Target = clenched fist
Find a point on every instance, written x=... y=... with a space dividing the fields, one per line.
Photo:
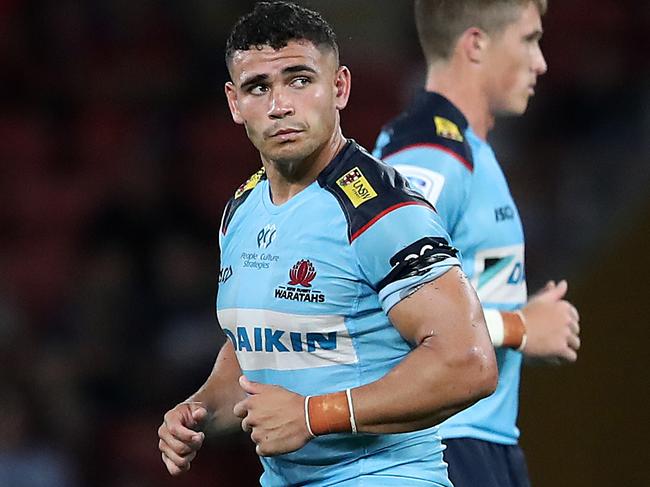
x=274 y=417
x=181 y=436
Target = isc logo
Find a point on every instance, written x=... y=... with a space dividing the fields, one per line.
x=504 y=213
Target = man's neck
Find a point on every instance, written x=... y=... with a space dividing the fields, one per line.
x=288 y=178
x=464 y=90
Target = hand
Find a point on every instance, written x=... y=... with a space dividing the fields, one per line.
x=552 y=325
x=180 y=438
x=274 y=416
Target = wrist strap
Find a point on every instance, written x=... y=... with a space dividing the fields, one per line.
x=514 y=330
x=524 y=338
x=330 y=413
x=353 y=420
x=309 y=430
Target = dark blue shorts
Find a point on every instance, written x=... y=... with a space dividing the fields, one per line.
x=476 y=463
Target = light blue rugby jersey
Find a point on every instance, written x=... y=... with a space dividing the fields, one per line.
x=304 y=292
x=433 y=146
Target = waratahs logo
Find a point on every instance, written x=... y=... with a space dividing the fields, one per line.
x=302 y=273
x=299 y=287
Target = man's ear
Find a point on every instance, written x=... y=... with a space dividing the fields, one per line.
x=342 y=84
x=473 y=44
x=231 y=95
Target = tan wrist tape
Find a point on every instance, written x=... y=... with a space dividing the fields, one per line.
x=330 y=413
x=514 y=329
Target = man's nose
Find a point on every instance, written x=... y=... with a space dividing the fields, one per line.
x=281 y=105
x=540 y=67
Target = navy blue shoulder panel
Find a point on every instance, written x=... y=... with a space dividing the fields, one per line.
x=240 y=196
x=433 y=121
x=366 y=188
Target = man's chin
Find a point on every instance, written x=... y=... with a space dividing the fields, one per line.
x=515 y=110
x=288 y=157
x=289 y=151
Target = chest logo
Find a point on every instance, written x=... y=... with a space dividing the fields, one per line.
x=302 y=273
x=266 y=236
x=356 y=187
x=447 y=129
x=299 y=287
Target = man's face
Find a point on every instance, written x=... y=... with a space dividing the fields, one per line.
x=514 y=61
x=288 y=99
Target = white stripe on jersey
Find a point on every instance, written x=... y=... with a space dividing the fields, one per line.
x=265 y=339
x=499 y=275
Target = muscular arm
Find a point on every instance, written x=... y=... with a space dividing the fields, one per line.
x=451 y=366
x=220 y=392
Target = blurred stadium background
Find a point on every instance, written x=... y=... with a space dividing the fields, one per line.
x=117 y=155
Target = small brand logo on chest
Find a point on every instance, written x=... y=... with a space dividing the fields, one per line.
x=225 y=273
x=266 y=236
x=299 y=287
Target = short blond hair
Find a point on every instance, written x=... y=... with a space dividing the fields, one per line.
x=441 y=22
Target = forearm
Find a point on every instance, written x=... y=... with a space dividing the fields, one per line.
x=451 y=366
x=221 y=391
x=421 y=391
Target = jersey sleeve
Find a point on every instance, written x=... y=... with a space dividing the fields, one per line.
x=402 y=250
x=439 y=176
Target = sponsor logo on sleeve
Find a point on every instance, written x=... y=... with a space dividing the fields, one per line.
x=426 y=182
x=447 y=129
x=499 y=275
x=356 y=187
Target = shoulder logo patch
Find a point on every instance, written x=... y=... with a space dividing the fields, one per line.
x=447 y=129
x=250 y=184
x=356 y=187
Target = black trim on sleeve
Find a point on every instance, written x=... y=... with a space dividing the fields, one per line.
x=417 y=259
x=240 y=196
x=430 y=121
x=366 y=188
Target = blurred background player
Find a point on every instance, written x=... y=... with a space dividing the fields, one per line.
x=340 y=294
x=483 y=61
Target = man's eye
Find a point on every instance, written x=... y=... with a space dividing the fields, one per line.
x=258 y=90
x=300 y=82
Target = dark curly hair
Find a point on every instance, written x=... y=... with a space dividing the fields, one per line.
x=275 y=24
